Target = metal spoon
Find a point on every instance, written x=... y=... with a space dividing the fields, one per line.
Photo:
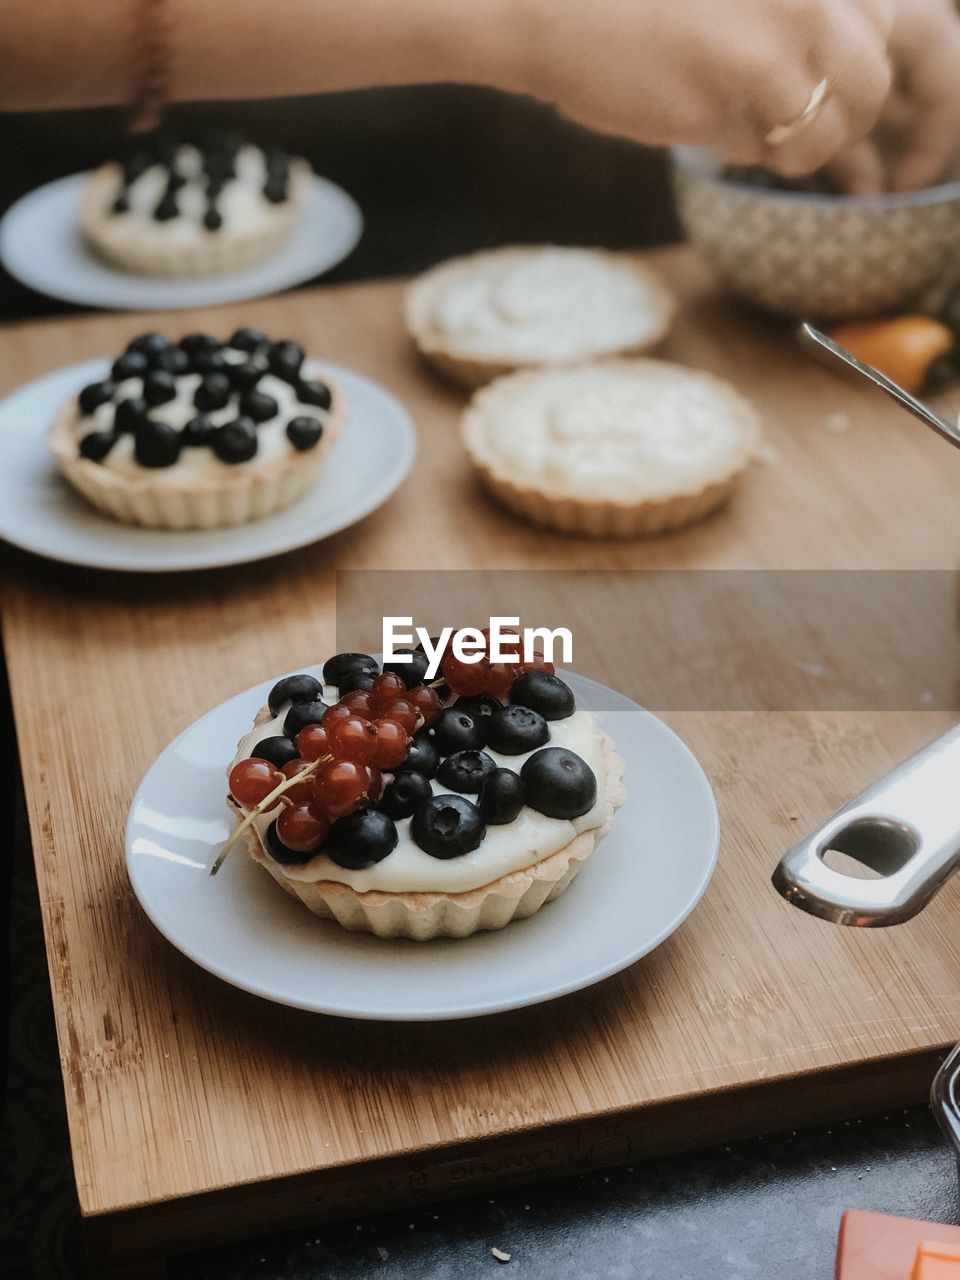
x=947 y=430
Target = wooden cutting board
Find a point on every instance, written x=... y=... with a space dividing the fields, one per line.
x=197 y=1112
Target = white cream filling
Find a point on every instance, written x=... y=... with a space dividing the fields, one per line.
x=613 y=432
x=552 y=304
x=510 y=847
x=241 y=202
x=194 y=459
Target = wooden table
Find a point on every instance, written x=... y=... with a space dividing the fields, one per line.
x=198 y=1112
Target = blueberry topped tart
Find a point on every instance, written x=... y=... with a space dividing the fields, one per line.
x=199 y=433
x=178 y=208
x=423 y=810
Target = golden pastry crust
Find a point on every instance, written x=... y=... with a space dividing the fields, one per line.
x=547 y=505
x=455 y=360
x=424 y=916
x=211 y=499
x=208 y=254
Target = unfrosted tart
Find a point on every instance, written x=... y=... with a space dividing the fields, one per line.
x=486 y=314
x=615 y=448
x=517 y=867
x=200 y=433
x=179 y=209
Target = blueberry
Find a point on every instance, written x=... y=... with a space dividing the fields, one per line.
x=356 y=680
x=172 y=359
x=301 y=714
x=198 y=431
x=130 y=413
x=447 y=826
x=245 y=374
x=97 y=444
x=121 y=204
x=315 y=393
x=406 y=792
x=132 y=364
x=235 y=441
x=280 y=853
x=361 y=839
x=335 y=668
x=195 y=343
x=275 y=189
x=274 y=159
x=456 y=730
x=212 y=393
x=248 y=340
x=544 y=693
x=465 y=771
x=96 y=394
x=166 y=208
x=299 y=688
x=559 y=783
x=258 y=406
x=514 y=730
x=481 y=706
x=209 y=362
x=277 y=749
x=149 y=343
x=213 y=219
x=155 y=444
x=413 y=672
x=304 y=433
x=502 y=796
x=422 y=756
x=285 y=360
x=159 y=387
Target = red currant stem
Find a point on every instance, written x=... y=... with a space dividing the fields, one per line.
x=265 y=804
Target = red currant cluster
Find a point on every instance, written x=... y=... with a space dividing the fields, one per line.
x=340 y=762
x=495 y=678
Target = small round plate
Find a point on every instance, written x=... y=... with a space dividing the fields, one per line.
x=42 y=245
x=41 y=513
x=643 y=881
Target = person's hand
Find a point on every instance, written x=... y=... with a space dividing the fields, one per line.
x=720 y=72
x=925 y=104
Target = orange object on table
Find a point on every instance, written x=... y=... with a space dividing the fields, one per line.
x=936 y=1262
x=902 y=347
x=877 y=1246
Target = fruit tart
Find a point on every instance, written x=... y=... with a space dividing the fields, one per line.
x=199 y=433
x=477 y=317
x=406 y=810
x=176 y=208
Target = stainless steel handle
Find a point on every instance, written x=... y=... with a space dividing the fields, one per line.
x=906 y=827
x=943 y=1099
x=948 y=430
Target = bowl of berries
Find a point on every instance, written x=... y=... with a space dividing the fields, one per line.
x=803 y=248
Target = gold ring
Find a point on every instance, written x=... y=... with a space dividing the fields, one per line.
x=782 y=133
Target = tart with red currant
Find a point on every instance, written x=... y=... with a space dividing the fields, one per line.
x=418 y=809
x=199 y=433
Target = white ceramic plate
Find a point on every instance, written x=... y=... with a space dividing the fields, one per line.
x=640 y=885
x=42 y=245
x=41 y=513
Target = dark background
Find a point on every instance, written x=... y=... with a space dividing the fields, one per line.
x=438 y=171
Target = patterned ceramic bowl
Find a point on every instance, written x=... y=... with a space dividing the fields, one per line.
x=819 y=255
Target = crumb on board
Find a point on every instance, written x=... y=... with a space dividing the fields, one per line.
x=766 y=453
x=836 y=422
x=500 y=1255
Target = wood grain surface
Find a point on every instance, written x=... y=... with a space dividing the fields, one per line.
x=182 y=1092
